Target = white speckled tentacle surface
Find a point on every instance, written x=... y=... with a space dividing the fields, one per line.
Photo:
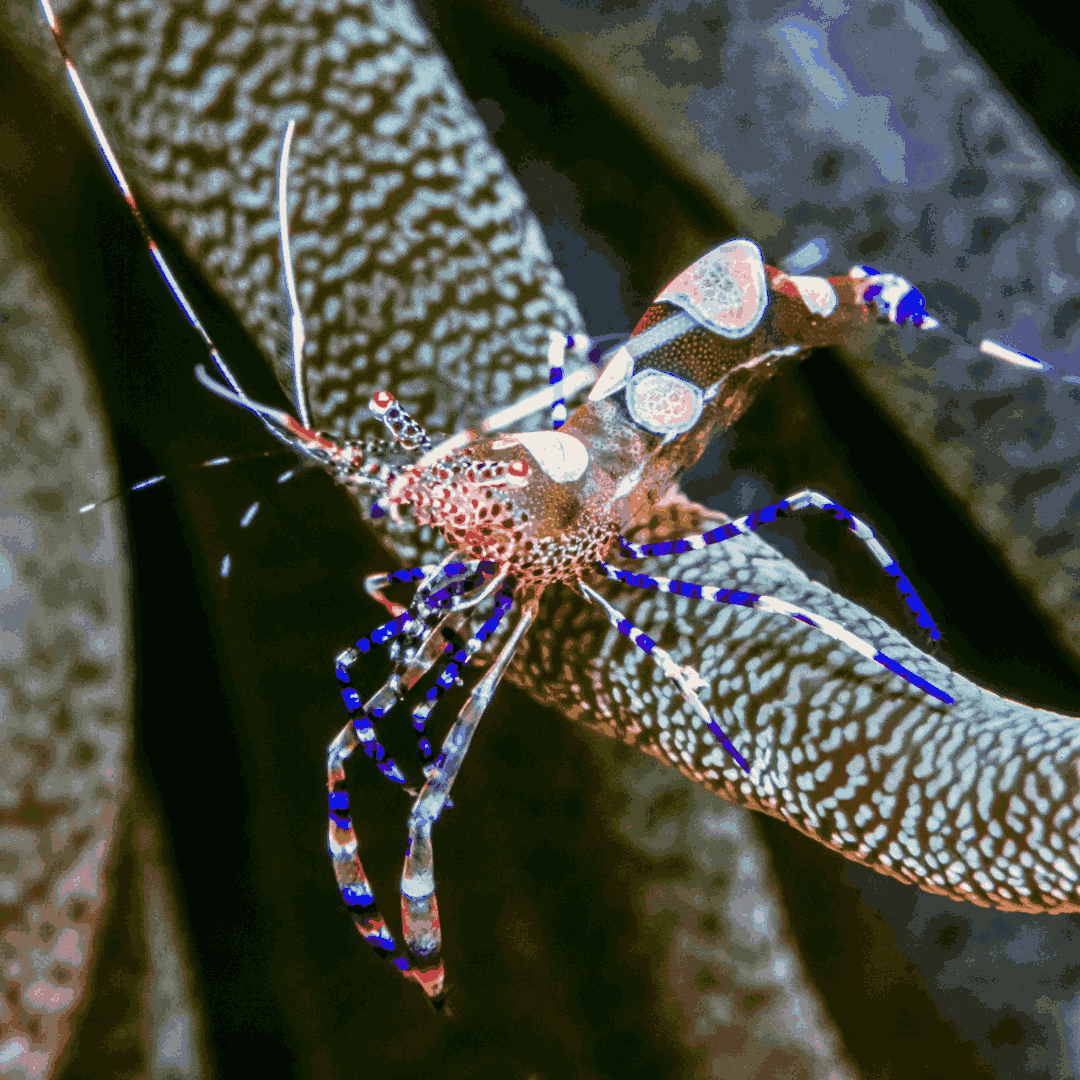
x=447 y=370
x=74 y=808
x=979 y=800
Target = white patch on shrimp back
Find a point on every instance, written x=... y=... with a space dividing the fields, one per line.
x=561 y=456
x=619 y=368
x=817 y=294
x=725 y=290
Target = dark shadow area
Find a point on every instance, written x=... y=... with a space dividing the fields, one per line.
x=1034 y=50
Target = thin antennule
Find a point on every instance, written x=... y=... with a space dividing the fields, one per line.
x=296 y=320
x=280 y=423
x=151 y=481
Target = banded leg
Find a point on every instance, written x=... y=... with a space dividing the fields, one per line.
x=558 y=389
x=418 y=661
x=556 y=356
x=423 y=649
x=422 y=657
x=895 y=297
x=419 y=907
x=352 y=882
x=686 y=678
x=800 y=500
x=776 y=607
x=375 y=583
x=450 y=674
x=557 y=346
x=427 y=603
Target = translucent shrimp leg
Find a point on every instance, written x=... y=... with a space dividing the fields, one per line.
x=419 y=908
x=375 y=583
x=557 y=346
x=420 y=918
x=422 y=648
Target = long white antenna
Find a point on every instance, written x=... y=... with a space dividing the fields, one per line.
x=129 y=198
x=296 y=320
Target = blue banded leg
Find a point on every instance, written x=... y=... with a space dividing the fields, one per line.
x=686 y=678
x=352 y=882
x=356 y=891
x=435 y=644
x=383 y=700
x=450 y=674
x=375 y=583
x=419 y=907
x=421 y=657
x=801 y=500
x=557 y=346
x=556 y=358
x=429 y=601
x=422 y=647
x=355 y=888
x=559 y=388
x=776 y=607
x=413 y=623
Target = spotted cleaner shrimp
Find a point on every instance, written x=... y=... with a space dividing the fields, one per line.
x=534 y=509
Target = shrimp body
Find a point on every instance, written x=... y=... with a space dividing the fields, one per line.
x=547 y=505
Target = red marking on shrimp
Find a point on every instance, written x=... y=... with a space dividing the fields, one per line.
x=308 y=436
x=782 y=283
